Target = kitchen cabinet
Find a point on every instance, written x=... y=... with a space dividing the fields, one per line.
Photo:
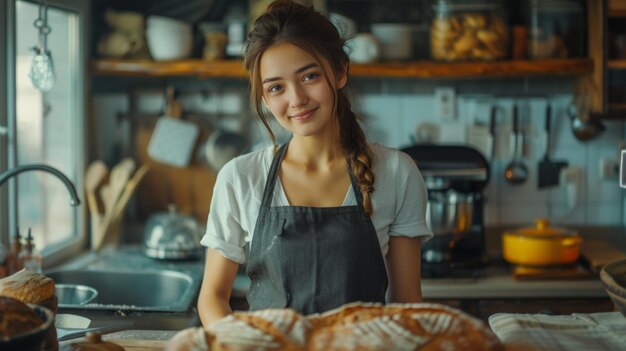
x=605 y=86
x=616 y=63
x=498 y=292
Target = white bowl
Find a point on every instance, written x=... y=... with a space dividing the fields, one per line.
x=394 y=39
x=168 y=39
x=167 y=24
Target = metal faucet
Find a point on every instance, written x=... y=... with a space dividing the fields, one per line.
x=41 y=167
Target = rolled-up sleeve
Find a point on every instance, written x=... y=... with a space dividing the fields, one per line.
x=411 y=201
x=224 y=232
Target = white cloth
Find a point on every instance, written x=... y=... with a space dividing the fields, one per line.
x=595 y=331
x=399 y=200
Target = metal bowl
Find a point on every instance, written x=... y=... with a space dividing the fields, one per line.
x=33 y=340
x=449 y=212
x=74 y=294
x=613 y=277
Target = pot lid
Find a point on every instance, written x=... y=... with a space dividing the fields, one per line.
x=171 y=231
x=542 y=229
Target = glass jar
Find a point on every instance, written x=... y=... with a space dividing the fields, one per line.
x=469 y=30
x=215 y=40
x=556 y=28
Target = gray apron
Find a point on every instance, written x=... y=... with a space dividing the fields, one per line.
x=313 y=259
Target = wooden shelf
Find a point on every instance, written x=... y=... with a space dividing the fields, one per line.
x=416 y=69
x=617 y=8
x=618 y=106
x=617 y=64
x=616 y=111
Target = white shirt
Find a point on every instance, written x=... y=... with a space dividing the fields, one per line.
x=399 y=200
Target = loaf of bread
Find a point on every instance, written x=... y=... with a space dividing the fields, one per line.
x=32 y=287
x=356 y=326
x=16 y=318
x=27 y=286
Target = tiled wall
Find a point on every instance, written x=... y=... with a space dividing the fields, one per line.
x=393 y=109
x=392 y=119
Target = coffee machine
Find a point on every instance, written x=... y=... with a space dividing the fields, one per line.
x=455 y=177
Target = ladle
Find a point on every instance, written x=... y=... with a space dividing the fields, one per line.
x=516 y=172
x=584 y=129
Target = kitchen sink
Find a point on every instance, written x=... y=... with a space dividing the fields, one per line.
x=142 y=290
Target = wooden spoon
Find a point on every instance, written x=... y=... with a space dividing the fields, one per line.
x=95 y=175
x=120 y=205
x=111 y=192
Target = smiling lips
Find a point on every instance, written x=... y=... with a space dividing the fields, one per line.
x=303 y=115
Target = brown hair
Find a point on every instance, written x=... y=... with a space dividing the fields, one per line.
x=288 y=22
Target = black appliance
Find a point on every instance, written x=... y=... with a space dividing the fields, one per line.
x=455 y=177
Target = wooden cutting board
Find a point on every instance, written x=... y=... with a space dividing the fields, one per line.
x=574 y=271
x=189 y=188
x=597 y=253
x=140 y=345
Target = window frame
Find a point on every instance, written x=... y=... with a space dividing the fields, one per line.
x=56 y=253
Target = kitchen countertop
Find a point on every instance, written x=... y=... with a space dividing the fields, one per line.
x=497 y=281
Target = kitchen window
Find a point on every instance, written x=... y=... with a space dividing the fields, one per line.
x=43 y=127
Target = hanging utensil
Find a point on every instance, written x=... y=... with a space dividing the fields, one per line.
x=173 y=140
x=584 y=129
x=549 y=171
x=516 y=172
x=492 y=133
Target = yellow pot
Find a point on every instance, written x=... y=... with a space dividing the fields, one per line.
x=541 y=245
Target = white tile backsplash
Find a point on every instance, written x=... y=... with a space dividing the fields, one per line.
x=392 y=114
x=392 y=119
x=382 y=119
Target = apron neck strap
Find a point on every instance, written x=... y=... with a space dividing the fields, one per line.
x=270 y=184
x=355 y=187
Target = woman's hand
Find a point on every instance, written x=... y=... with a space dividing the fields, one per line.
x=403 y=260
x=217 y=285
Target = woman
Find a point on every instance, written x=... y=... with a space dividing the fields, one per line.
x=327 y=218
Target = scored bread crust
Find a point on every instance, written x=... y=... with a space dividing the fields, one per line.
x=354 y=326
x=27 y=286
x=418 y=326
x=280 y=329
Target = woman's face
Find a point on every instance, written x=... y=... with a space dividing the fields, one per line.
x=295 y=91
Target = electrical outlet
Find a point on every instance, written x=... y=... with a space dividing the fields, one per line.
x=609 y=168
x=445 y=98
x=621 y=146
x=570 y=179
